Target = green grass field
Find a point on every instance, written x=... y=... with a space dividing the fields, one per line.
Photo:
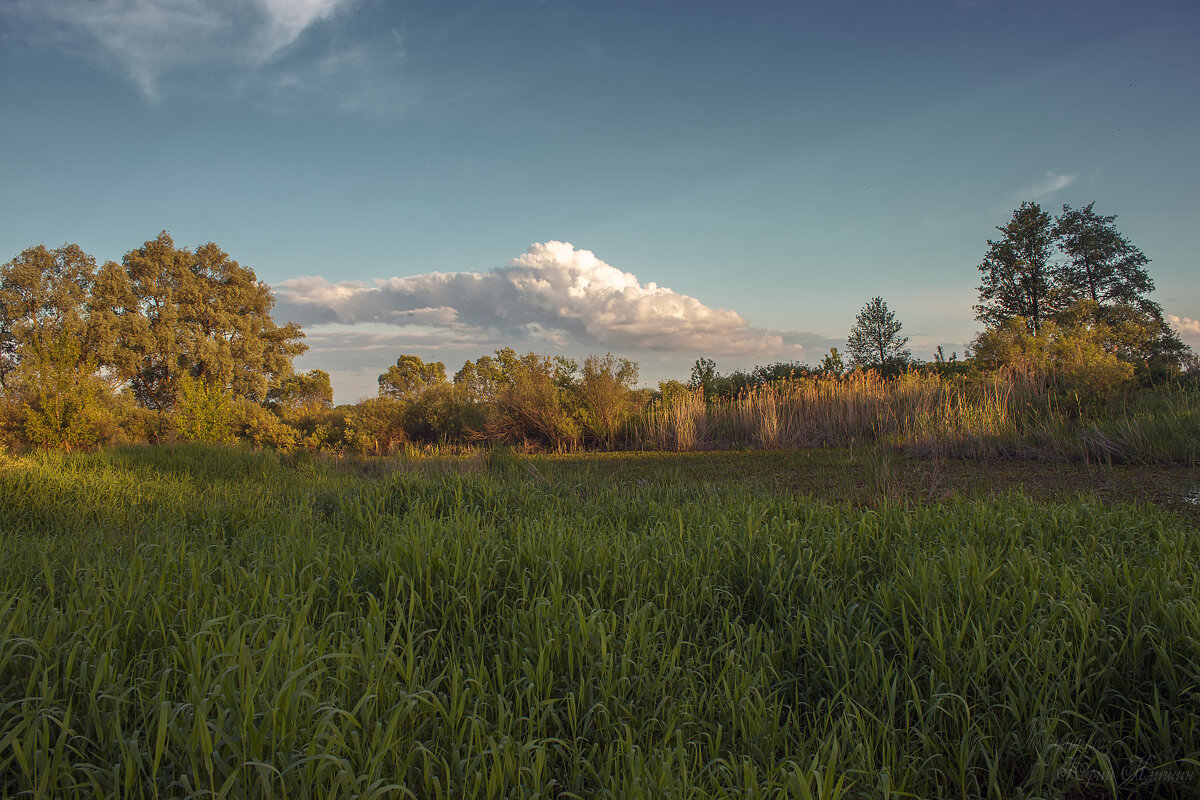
x=211 y=622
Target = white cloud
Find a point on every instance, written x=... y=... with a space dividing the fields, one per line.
x=1050 y=183
x=148 y=40
x=1189 y=329
x=360 y=77
x=552 y=294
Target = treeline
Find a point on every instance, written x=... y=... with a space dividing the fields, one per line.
x=173 y=344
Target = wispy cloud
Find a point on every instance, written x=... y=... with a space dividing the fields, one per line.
x=150 y=41
x=359 y=77
x=553 y=292
x=1047 y=186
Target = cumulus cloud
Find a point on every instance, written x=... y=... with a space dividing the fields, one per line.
x=552 y=292
x=1050 y=183
x=1189 y=329
x=149 y=39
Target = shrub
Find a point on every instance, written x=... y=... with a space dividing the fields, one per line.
x=262 y=428
x=204 y=412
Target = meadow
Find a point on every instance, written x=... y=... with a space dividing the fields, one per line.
x=215 y=622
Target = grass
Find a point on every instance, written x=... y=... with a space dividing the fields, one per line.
x=211 y=622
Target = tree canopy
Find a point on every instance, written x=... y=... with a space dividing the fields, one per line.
x=875 y=339
x=1101 y=264
x=164 y=313
x=410 y=376
x=1017 y=277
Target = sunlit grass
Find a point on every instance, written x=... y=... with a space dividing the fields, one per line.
x=212 y=622
x=998 y=416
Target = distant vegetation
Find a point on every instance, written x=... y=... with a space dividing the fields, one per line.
x=173 y=344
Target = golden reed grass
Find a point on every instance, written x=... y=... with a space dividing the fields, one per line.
x=920 y=410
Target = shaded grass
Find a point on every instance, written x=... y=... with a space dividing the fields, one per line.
x=210 y=622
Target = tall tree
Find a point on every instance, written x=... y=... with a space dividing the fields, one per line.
x=43 y=299
x=875 y=339
x=1017 y=276
x=198 y=314
x=410 y=376
x=47 y=343
x=1102 y=265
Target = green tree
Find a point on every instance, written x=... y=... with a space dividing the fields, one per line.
x=606 y=393
x=533 y=400
x=478 y=381
x=194 y=313
x=48 y=344
x=875 y=339
x=673 y=391
x=832 y=363
x=410 y=376
x=306 y=390
x=1101 y=265
x=704 y=375
x=375 y=425
x=1017 y=277
x=43 y=297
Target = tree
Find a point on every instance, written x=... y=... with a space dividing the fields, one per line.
x=875 y=339
x=1017 y=277
x=48 y=344
x=531 y=399
x=606 y=391
x=1102 y=264
x=704 y=375
x=193 y=313
x=43 y=298
x=832 y=363
x=307 y=390
x=410 y=376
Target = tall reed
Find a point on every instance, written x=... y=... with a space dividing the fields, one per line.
x=1008 y=414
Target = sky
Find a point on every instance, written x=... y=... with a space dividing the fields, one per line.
x=662 y=180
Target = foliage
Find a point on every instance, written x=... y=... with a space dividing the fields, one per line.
x=606 y=397
x=832 y=363
x=532 y=404
x=305 y=391
x=62 y=397
x=1077 y=361
x=261 y=427
x=375 y=426
x=435 y=415
x=48 y=344
x=875 y=340
x=704 y=376
x=1018 y=280
x=178 y=313
x=43 y=298
x=671 y=391
x=410 y=376
x=204 y=412
x=1136 y=334
x=1101 y=265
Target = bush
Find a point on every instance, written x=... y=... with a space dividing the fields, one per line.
x=204 y=412
x=375 y=426
x=262 y=428
x=1079 y=363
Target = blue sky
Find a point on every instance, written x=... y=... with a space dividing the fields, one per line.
x=734 y=180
